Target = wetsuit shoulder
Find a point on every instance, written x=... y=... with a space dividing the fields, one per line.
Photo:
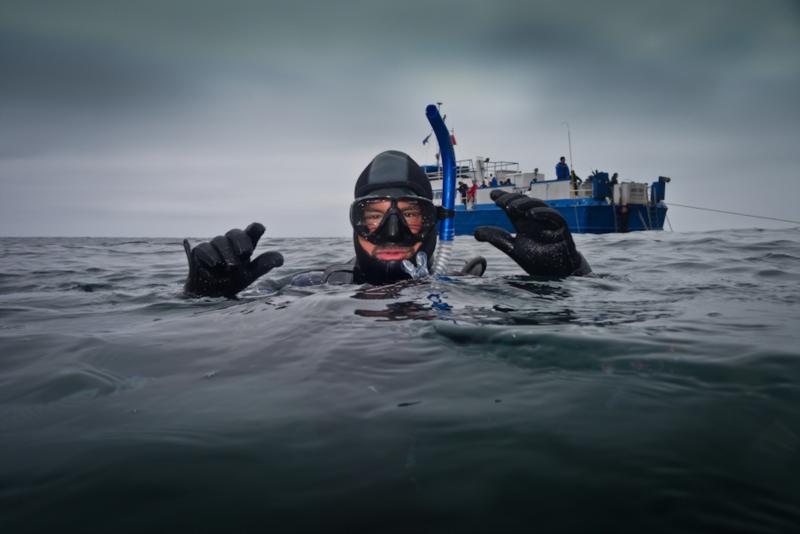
x=340 y=274
x=348 y=273
x=472 y=267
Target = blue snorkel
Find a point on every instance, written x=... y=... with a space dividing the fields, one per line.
x=446 y=224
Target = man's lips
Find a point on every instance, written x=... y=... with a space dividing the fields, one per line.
x=392 y=254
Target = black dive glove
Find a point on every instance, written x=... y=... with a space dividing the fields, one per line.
x=543 y=245
x=222 y=267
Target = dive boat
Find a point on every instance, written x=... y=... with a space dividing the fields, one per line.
x=594 y=205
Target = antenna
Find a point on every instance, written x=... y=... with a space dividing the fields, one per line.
x=569 y=140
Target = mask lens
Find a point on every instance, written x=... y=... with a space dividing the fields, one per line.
x=412 y=214
x=368 y=215
x=373 y=212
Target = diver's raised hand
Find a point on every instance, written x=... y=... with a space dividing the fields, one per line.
x=222 y=266
x=543 y=245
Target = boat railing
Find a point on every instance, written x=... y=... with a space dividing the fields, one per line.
x=502 y=167
x=580 y=192
x=466 y=170
x=649 y=195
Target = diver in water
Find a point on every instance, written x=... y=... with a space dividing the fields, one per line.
x=393 y=219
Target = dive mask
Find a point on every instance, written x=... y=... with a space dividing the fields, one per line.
x=404 y=220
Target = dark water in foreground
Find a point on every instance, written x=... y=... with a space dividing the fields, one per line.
x=662 y=394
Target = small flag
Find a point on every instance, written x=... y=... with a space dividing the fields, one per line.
x=453 y=137
x=425 y=141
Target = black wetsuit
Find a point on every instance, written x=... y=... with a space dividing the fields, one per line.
x=542 y=246
x=348 y=273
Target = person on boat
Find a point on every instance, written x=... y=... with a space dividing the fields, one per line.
x=472 y=192
x=574 y=180
x=462 y=189
x=493 y=181
x=535 y=177
x=562 y=169
x=393 y=219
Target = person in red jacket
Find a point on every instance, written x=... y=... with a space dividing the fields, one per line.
x=471 y=193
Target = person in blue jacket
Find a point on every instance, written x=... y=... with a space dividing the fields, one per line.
x=393 y=219
x=562 y=169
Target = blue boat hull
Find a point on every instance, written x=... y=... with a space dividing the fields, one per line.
x=583 y=216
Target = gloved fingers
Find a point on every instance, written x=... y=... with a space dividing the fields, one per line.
x=254 y=231
x=223 y=247
x=515 y=205
x=240 y=243
x=496 y=236
x=187 y=248
x=264 y=264
x=519 y=206
x=502 y=198
x=548 y=217
x=207 y=256
x=540 y=203
x=528 y=204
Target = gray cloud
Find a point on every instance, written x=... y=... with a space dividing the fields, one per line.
x=207 y=109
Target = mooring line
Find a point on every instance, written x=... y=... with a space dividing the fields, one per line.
x=734 y=213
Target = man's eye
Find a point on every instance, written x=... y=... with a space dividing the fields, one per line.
x=372 y=217
x=412 y=214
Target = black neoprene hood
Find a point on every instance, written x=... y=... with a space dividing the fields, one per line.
x=395 y=174
x=393 y=169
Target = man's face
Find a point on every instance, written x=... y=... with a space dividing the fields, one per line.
x=373 y=215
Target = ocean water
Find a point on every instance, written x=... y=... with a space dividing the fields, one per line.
x=661 y=394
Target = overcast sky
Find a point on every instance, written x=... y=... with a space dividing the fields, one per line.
x=186 y=118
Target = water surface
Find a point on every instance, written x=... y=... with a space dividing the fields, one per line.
x=661 y=394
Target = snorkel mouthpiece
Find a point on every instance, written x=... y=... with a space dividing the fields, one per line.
x=420 y=270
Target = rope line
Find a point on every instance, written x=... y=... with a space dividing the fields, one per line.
x=734 y=213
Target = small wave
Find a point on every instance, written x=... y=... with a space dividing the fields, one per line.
x=560 y=346
x=772 y=245
x=685 y=265
x=53 y=272
x=122 y=277
x=776 y=273
x=780 y=256
x=88 y=287
x=733 y=269
x=87 y=382
x=708 y=240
